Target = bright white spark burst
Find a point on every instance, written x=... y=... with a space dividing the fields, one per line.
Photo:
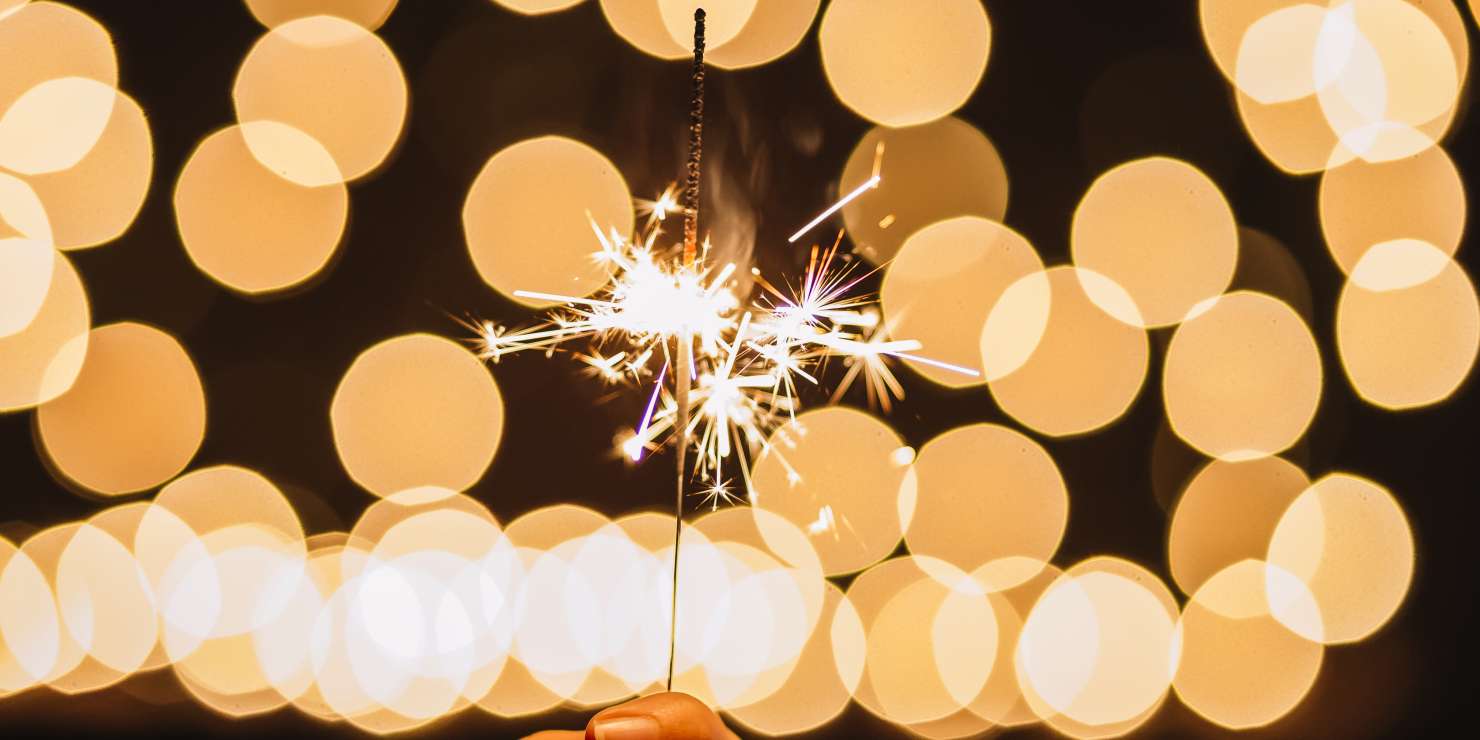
x=746 y=361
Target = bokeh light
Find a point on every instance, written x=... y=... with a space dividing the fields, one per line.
x=833 y=473
x=96 y=200
x=1240 y=667
x=1045 y=338
x=988 y=497
x=366 y=13
x=1364 y=204
x=942 y=284
x=55 y=41
x=53 y=125
x=1243 y=377
x=249 y=228
x=529 y=217
x=1160 y=229
x=1227 y=514
x=1407 y=325
x=26 y=258
x=43 y=359
x=30 y=630
x=417 y=410
x=774 y=28
x=1348 y=541
x=898 y=66
x=1098 y=647
x=929 y=173
x=134 y=417
x=334 y=81
x=537 y=7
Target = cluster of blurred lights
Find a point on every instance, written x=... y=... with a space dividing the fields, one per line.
x=428 y=606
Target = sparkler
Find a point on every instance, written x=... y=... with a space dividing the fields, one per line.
x=727 y=372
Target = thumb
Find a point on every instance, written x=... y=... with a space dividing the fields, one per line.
x=670 y=716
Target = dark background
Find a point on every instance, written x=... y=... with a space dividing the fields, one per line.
x=1071 y=89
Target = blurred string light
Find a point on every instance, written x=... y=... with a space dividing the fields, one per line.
x=429 y=607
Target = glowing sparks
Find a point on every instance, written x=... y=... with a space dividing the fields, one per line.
x=746 y=359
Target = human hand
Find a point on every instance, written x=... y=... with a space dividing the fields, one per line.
x=670 y=716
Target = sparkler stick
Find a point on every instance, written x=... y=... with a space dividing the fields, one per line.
x=683 y=344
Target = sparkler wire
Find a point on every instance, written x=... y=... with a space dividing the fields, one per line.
x=683 y=344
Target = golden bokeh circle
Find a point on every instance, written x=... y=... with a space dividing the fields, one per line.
x=52 y=126
x=1239 y=667
x=942 y=284
x=26 y=258
x=844 y=460
x=96 y=200
x=416 y=410
x=1242 y=378
x=774 y=28
x=529 y=215
x=334 y=81
x=133 y=419
x=1098 y=647
x=366 y=13
x=986 y=493
x=1227 y=514
x=248 y=228
x=1363 y=204
x=537 y=7
x=49 y=41
x=1055 y=361
x=1407 y=325
x=43 y=360
x=928 y=173
x=897 y=66
x=1163 y=231
x=1347 y=540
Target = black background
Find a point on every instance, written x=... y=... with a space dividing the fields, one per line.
x=1071 y=89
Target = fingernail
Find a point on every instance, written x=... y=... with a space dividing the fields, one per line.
x=627 y=728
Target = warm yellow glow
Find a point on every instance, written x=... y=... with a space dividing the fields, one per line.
x=97 y=199
x=774 y=28
x=1407 y=333
x=43 y=359
x=722 y=21
x=367 y=13
x=1293 y=136
x=898 y=66
x=1243 y=377
x=26 y=258
x=942 y=284
x=813 y=692
x=986 y=493
x=1392 y=78
x=69 y=669
x=1160 y=229
x=331 y=79
x=929 y=173
x=55 y=41
x=1225 y=22
x=640 y=22
x=416 y=410
x=104 y=602
x=1045 y=339
x=1227 y=514
x=248 y=228
x=529 y=214
x=1241 y=668
x=1347 y=540
x=1276 y=57
x=133 y=419
x=1099 y=646
x=52 y=126
x=1419 y=197
x=30 y=630
x=841 y=459
x=537 y=7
